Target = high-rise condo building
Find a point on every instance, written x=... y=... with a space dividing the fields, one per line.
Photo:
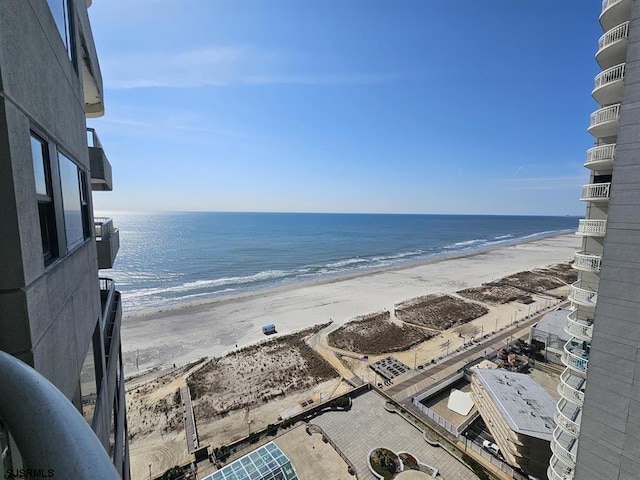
x=598 y=418
x=56 y=314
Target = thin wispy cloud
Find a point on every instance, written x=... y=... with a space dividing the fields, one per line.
x=543 y=183
x=222 y=66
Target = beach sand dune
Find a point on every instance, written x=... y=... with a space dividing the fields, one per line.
x=158 y=339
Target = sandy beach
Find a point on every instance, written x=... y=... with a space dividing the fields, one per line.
x=183 y=334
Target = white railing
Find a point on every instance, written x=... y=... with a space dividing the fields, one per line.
x=569 y=391
x=559 y=470
x=587 y=262
x=602 y=153
x=592 y=228
x=596 y=191
x=573 y=360
x=579 y=295
x=582 y=329
x=564 y=421
x=618 y=33
x=604 y=115
x=609 y=75
x=566 y=452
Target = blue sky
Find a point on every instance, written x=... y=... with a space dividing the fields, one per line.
x=414 y=106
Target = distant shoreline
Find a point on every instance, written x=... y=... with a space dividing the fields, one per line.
x=329 y=279
x=181 y=334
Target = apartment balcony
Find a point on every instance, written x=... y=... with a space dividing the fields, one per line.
x=107 y=240
x=46 y=428
x=604 y=121
x=581 y=296
x=601 y=157
x=579 y=328
x=564 y=446
x=614 y=12
x=568 y=417
x=559 y=470
x=101 y=176
x=571 y=386
x=575 y=356
x=596 y=192
x=587 y=262
x=608 y=85
x=612 y=46
x=592 y=228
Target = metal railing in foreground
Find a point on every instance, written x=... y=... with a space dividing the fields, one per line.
x=49 y=432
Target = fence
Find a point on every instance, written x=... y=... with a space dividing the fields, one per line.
x=508 y=469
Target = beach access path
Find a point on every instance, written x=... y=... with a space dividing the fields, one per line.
x=158 y=339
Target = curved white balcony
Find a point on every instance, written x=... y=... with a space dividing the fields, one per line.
x=587 y=262
x=564 y=446
x=592 y=228
x=614 y=12
x=608 y=84
x=596 y=192
x=571 y=386
x=601 y=157
x=568 y=416
x=579 y=328
x=575 y=357
x=559 y=470
x=604 y=121
x=612 y=46
x=581 y=296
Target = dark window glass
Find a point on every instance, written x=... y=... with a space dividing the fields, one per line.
x=38 y=152
x=46 y=213
x=60 y=11
x=71 y=200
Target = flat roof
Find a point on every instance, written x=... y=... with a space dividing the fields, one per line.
x=521 y=401
x=265 y=463
x=554 y=323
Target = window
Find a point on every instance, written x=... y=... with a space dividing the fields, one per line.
x=60 y=11
x=74 y=201
x=42 y=175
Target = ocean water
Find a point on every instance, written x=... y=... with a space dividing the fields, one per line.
x=180 y=257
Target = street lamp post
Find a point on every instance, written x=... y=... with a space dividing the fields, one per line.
x=150 y=471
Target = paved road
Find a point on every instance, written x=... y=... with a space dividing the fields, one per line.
x=425 y=378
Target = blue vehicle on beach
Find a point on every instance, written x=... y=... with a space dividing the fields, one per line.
x=269 y=329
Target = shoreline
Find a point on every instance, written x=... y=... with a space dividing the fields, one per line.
x=441 y=257
x=161 y=337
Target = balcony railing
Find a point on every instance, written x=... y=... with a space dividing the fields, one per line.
x=572 y=386
x=588 y=298
x=49 y=432
x=592 y=228
x=575 y=357
x=608 y=85
x=609 y=75
x=602 y=155
x=568 y=417
x=621 y=32
x=582 y=329
x=605 y=115
x=596 y=192
x=559 y=470
x=101 y=174
x=108 y=241
x=564 y=446
x=587 y=262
